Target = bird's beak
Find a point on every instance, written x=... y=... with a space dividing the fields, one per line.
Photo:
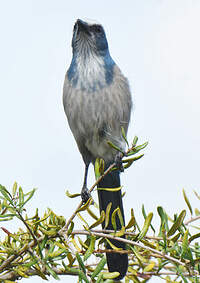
x=82 y=26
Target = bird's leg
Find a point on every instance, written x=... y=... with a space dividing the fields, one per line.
x=118 y=162
x=85 y=193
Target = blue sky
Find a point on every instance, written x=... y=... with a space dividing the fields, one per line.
x=156 y=44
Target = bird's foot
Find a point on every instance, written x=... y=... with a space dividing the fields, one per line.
x=85 y=194
x=118 y=162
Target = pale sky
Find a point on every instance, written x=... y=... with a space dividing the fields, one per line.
x=156 y=44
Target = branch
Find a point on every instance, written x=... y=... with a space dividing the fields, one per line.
x=80 y=204
x=121 y=155
x=130 y=243
x=192 y=219
x=12 y=275
x=130 y=234
x=20 y=253
x=27 y=226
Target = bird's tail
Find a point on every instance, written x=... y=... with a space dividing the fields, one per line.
x=115 y=261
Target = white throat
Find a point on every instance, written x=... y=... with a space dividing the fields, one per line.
x=90 y=72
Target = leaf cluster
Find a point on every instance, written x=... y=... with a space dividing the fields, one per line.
x=48 y=245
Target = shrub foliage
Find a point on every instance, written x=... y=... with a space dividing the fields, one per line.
x=50 y=245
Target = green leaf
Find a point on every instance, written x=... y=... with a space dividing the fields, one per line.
x=187 y=201
x=143 y=212
x=137 y=149
x=110 y=275
x=110 y=189
x=175 y=238
x=97 y=168
x=114 y=146
x=149 y=267
x=113 y=219
x=51 y=232
x=113 y=246
x=185 y=244
x=82 y=219
x=81 y=264
x=120 y=232
x=43 y=243
x=83 y=244
x=99 y=267
x=71 y=259
x=91 y=213
x=21 y=197
x=8 y=215
x=71 y=227
x=177 y=223
x=164 y=219
x=6 y=219
x=148 y=244
x=58 y=254
x=140 y=258
x=91 y=248
x=107 y=215
x=124 y=136
x=42 y=219
x=70 y=269
x=99 y=221
x=100 y=279
x=183 y=277
x=197 y=195
x=101 y=167
x=30 y=195
x=131 y=222
x=120 y=217
x=6 y=194
x=82 y=276
x=71 y=195
x=39 y=271
x=197 y=212
x=194 y=237
x=130 y=161
x=86 y=205
x=135 y=140
x=14 y=189
x=145 y=228
x=133 y=271
x=52 y=272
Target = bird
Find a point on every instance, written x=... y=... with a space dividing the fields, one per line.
x=97 y=102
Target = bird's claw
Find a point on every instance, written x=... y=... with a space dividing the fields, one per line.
x=118 y=162
x=85 y=194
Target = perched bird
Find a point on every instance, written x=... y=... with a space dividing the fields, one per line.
x=97 y=103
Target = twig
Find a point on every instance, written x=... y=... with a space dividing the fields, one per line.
x=192 y=219
x=92 y=188
x=131 y=243
x=34 y=255
x=12 y=275
x=27 y=226
x=80 y=204
x=129 y=234
x=151 y=273
x=69 y=244
x=20 y=253
x=109 y=251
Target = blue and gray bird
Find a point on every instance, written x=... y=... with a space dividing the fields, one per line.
x=97 y=103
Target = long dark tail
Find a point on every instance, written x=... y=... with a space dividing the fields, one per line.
x=115 y=261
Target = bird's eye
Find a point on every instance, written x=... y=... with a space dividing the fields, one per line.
x=97 y=28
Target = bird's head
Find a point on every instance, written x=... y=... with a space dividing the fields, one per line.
x=89 y=37
x=91 y=67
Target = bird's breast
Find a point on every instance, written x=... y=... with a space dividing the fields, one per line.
x=97 y=116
